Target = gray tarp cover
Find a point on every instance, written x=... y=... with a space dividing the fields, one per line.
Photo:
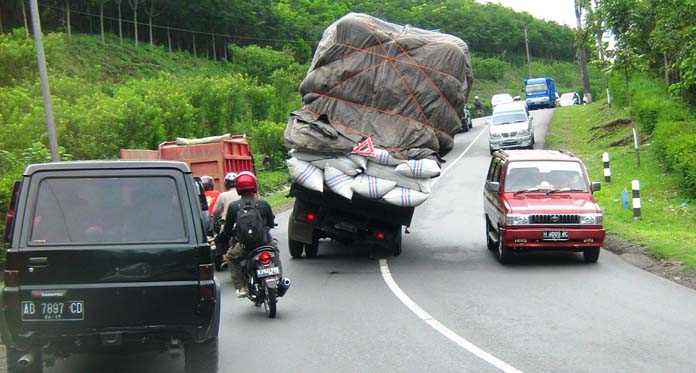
x=402 y=86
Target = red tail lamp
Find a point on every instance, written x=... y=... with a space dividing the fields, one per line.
x=265 y=257
x=380 y=235
x=311 y=216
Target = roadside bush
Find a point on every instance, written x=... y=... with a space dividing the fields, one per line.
x=675 y=142
x=489 y=68
x=272 y=181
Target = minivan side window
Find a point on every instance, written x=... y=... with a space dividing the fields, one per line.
x=106 y=210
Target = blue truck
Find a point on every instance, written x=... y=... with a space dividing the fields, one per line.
x=540 y=92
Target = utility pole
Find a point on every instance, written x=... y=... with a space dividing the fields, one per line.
x=529 y=59
x=41 y=59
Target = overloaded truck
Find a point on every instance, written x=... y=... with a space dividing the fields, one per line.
x=214 y=156
x=380 y=105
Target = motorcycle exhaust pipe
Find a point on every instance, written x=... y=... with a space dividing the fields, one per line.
x=26 y=360
x=284 y=285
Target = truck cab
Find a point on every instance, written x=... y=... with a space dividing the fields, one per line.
x=107 y=255
x=540 y=93
x=541 y=200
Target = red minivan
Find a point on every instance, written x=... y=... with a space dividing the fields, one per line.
x=541 y=200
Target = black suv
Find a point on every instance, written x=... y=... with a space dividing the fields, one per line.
x=107 y=255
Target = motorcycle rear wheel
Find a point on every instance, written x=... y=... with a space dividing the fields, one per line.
x=269 y=302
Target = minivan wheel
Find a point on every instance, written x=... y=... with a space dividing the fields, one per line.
x=591 y=254
x=201 y=357
x=13 y=356
x=504 y=252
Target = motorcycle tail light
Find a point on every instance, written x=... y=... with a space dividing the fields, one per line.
x=265 y=257
x=11 y=278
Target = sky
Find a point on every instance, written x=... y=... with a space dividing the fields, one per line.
x=561 y=11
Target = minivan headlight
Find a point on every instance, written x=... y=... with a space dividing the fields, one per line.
x=516 y=219
x=591 y=219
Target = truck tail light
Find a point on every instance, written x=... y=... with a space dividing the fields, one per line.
x=308 y=216
x=380 y=236
x=205 y=282
x=11 y=278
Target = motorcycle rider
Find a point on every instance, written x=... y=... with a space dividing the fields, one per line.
x=246 y=186
x=223 y=201
x=478 y=106
x=210 y=193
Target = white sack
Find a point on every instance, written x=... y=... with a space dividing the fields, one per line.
x=419 y=168
x=306 y=174
x=389 y=173
x=405 y=197
x=382 y=156
x=372 y=187
x=340 y=162
x=339 y=182
x=359 y=160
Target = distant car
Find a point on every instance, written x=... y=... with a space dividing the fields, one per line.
x=510 y=127
x=570 y=98
x=501 y=98
x=541 y=200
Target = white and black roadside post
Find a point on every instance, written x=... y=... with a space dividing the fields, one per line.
x=635 y=184
x=607 y=170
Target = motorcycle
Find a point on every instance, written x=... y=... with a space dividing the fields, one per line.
x=265 y=282
x=479 y=113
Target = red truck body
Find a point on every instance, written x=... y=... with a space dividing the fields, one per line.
x=214 y=159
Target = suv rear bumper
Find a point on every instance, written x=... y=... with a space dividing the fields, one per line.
x=532 y=237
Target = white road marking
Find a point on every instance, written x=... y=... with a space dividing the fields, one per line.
x=426 y=317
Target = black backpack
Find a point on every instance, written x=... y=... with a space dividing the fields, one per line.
x=251 y=229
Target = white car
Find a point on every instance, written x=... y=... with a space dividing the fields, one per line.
x=569 y=98
x=501 y=98
x=510 y=126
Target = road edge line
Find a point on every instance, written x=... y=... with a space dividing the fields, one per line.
x=425 y=316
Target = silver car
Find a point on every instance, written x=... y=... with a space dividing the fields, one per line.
x=510 y=127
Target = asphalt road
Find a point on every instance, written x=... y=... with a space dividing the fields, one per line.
x=545 y=313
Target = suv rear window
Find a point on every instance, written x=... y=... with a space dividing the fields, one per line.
x=107 y=210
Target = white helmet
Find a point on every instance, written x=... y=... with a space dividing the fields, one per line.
x=476 y=97
x=230 y=177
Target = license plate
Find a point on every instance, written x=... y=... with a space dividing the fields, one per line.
x=53 y=311
x=270 y=271
x=556 y=235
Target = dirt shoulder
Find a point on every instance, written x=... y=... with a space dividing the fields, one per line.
x=639 y=256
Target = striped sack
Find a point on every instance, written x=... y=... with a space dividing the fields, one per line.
x=405 y=197
x=306 y=174
x=372 y=187
x=338 y=182
x=419 y=168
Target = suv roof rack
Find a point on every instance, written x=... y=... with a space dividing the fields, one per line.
x=566 y=152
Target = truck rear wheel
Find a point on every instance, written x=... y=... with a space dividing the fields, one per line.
x=312 y=249
x=296 y=248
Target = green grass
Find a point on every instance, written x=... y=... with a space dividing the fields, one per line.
x=665 y=227
x=278 y=198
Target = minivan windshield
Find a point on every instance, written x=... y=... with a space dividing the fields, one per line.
x=508 y=117
x=536 y=88
x=544 y=175
x=107 y=210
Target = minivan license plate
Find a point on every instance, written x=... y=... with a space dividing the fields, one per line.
x=556 y=235
x=270 y=271
x=53 y=311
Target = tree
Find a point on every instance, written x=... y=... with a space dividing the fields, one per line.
x=67 y=17
x=134 y=6
x=101 y=17
x=120 y=23
x=580 y=43
x=150 y=10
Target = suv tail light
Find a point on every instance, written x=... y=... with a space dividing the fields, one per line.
x=10 y=217
x=205 y=282
x=11 y=278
